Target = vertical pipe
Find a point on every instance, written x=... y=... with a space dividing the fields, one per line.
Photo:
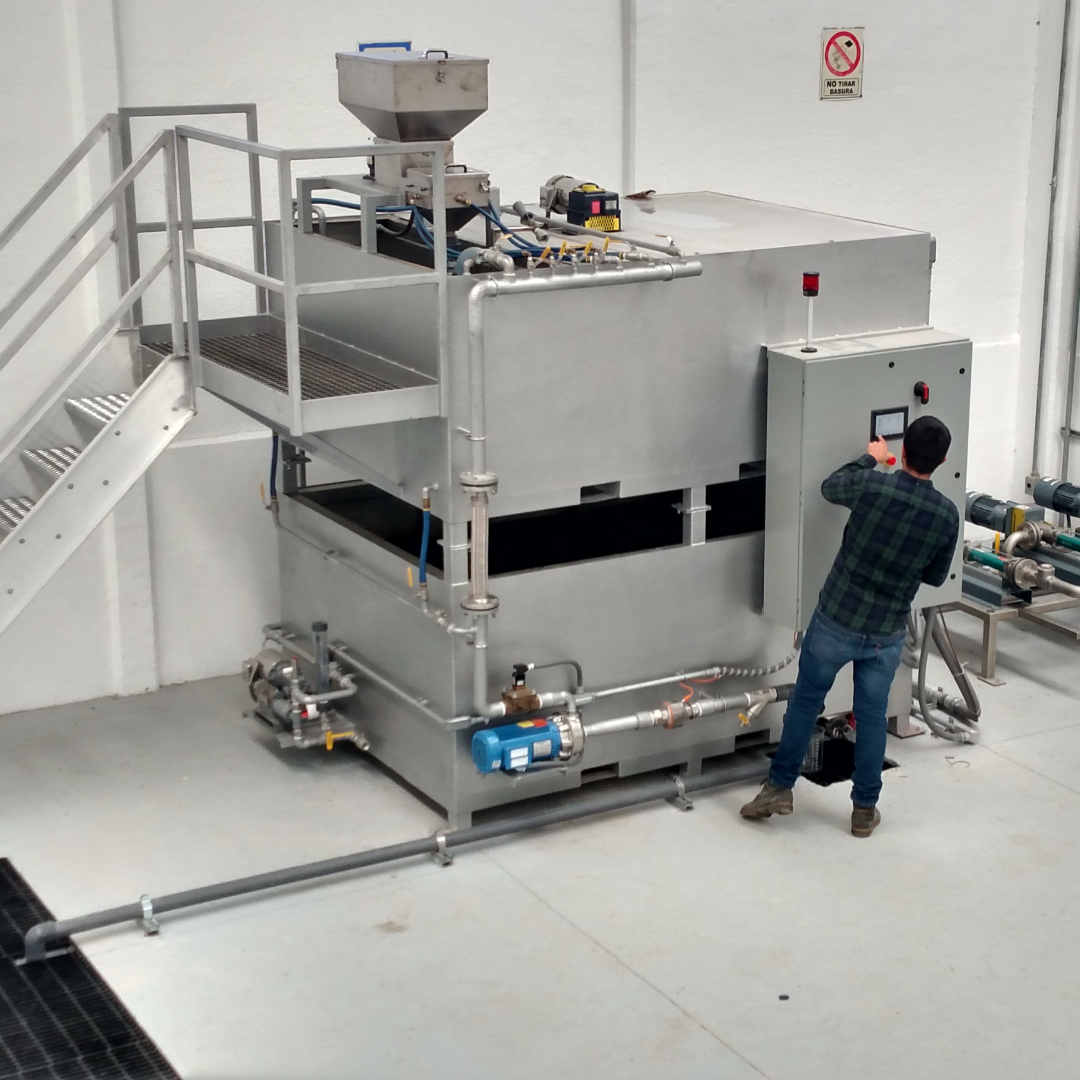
x=1062 y=81
x=258 y=228
x=479 y=575
x=288 y=296
x=322 y=657
x=183 y=161
x=628 y=27
x=172 y=237
x=480 y=665
x=120 y=216
x=477 y=389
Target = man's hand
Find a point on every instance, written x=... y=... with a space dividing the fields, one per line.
x=879 y=450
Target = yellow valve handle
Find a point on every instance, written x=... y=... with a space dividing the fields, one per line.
x=744 y=720
x=332 y=738
x=546 y=253
x=562 y=250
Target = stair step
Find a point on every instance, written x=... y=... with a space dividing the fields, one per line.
x=12 y=511
x=55 y=461
x=99 y=410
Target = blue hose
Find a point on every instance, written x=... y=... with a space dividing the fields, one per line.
x=424 y=547
x=273 y=465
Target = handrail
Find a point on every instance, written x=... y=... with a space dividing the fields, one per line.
x=253 y=221
x=82 y=356
x=62 y=173
x=287 y=286
x=132 y=292
x=71 y=241
x=65 y=289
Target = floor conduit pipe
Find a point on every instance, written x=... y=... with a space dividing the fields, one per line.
x=43 y=939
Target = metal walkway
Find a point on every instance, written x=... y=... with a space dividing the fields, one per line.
x=262 y=357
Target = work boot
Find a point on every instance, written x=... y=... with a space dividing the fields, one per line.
x=864 y=819
x=768 y=801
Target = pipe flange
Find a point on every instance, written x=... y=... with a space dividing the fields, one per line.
x=478 y=483
x=571 y=736
x=480 y=603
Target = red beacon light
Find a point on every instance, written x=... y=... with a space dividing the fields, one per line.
x=810 y=280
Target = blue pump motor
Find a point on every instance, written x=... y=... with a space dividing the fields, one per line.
x=514 y=747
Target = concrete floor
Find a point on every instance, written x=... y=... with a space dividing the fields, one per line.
x=647 y=944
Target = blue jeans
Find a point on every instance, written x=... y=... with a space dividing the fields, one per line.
x=826 y=648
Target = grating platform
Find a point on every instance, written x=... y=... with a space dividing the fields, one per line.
x=262 y=357
x=58 y=1018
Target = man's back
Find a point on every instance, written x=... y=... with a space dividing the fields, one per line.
x=902 y=532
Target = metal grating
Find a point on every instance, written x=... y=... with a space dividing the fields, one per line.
x=262 y=357
x=12 y=511
x=98 y=410
x=55 y=461
x=58 y=1018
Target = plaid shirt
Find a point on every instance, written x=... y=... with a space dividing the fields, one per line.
x=902 y=532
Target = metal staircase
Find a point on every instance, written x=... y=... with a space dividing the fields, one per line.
x=111 y=407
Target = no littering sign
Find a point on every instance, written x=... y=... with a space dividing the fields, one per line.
x=842 y=51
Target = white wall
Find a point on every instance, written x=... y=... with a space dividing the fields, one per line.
x=954 y=135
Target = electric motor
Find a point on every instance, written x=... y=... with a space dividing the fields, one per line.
x=997 y=514
x=583 y=203
x=1058 y=495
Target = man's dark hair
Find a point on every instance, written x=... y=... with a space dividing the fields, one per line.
x=926 y=443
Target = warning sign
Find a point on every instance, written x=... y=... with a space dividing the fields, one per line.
x=842 y=52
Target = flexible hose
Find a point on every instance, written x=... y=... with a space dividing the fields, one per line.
x=971 y=709
x=273 y=465
x=944 y=731
x=424 y=541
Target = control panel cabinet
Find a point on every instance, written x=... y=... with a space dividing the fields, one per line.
x=823 y=408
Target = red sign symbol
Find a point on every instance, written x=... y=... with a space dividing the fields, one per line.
x=843 y=53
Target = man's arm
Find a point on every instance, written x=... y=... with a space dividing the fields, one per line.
x=937 y=570
x=844 y=486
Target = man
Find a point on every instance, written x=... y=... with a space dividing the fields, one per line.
x=902 y=532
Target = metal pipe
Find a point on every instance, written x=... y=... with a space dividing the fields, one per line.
x=480 y=664
x=704 y=673
x=276 y=634
x=480 y=483
x=44 y=937
x=970 y=709
x=1062 y=79
x=675 y=714
x=944 y=731
x=528 y=217
x=322 y=656
x=1055 y=584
